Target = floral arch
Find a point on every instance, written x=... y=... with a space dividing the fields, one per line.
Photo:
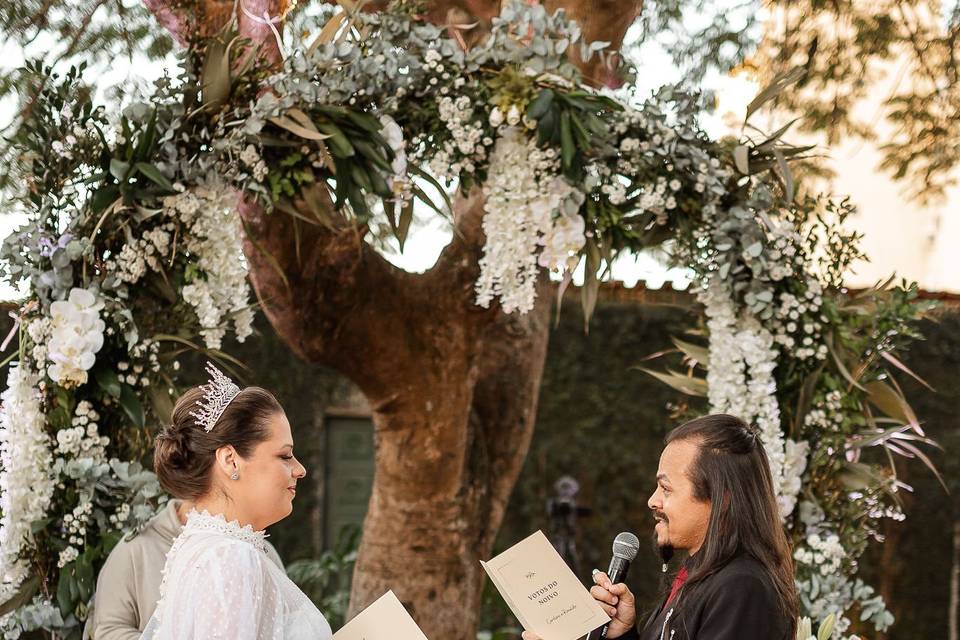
x=133 y=254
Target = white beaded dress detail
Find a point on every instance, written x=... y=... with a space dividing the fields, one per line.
x=218 y=583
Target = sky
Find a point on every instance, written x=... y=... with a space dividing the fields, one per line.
x=913 y=241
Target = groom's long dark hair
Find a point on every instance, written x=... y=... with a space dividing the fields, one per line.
x=732 y=472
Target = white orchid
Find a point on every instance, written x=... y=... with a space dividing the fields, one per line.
x=563 y=242
x=740 y=382
x=794 y=464
x=523 y=192
x=393 y=134
x=216 y=239
x=76 y=337
x=26 y=485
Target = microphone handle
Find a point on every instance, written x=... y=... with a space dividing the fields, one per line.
x=617 y=573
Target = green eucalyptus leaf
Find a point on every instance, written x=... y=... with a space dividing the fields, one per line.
x=119 y=169
x=108 y=381
x=567 y=146
x=591 y=284
x=66 y=591
x=777 y=85
x=540 y=105
x=22 y=597
x=215 y=78
x=132 y=406
x=403 y=224
x=154 y=175
x=690 y=385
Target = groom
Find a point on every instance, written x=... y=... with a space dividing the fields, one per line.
x=715 y=501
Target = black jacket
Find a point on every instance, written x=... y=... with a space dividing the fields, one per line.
x=736 y=603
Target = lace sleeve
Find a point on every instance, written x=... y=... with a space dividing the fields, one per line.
x=222 y=592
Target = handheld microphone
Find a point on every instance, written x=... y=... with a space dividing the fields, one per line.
x=625 y=547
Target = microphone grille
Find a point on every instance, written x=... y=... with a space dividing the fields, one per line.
x=626 y=545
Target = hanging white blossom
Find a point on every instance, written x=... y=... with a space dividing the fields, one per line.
x=219 y=291
x=563 y=242
x=794 y=464
x=726 y=371
x=523 y=191
x=740 y=382
x=76 y=337
x=393 y=134
x=762 y=409
x=26 y=485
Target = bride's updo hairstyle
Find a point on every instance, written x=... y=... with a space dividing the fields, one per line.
x=185 y=453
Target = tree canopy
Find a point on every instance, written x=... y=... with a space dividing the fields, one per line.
x=844 y=48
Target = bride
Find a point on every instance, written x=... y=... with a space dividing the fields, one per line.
x=231 y=453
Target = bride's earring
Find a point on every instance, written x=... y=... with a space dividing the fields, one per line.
x=235 y=476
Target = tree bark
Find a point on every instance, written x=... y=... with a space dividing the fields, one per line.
x=891 y=567
x=450 y=444
x=953 y=610
x=454 y=387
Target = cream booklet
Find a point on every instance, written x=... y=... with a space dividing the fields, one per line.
x=543 y=592
x=385 y=619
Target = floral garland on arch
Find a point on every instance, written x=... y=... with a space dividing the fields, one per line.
x=132 y=215
x=127 y=270
x=810 y=364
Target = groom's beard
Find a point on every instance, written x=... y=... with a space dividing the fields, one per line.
x=665 y=551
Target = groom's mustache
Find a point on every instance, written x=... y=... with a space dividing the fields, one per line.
x=665 y=551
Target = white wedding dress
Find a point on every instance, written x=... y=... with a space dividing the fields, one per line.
x=218 y=583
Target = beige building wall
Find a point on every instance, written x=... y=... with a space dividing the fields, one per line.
x=918 y=242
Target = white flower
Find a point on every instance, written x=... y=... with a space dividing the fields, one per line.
x=130 y=264
x=740 y=377
x=513 y=116
x=496 y=117
x=83 y=438
x=249 y=156
x=215 y=238
x=447 y=160
x=562 y=243
x=76 y=337
x=522 y=193
x=794 y=464
x=67 y=556
x=393 y=134
x=39 y=330
x=26 y=484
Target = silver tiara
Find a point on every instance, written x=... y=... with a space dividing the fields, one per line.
x=217 y=394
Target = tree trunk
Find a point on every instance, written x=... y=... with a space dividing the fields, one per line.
x=451 y=440
x=453 y=387
x=953 y=611
x=891 y=568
